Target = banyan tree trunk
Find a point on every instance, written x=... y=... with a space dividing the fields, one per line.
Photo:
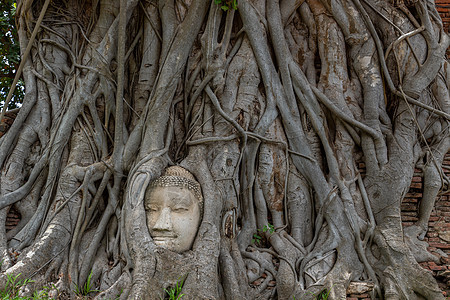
x=271 y=105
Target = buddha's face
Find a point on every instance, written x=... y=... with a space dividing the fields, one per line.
x=173 y=217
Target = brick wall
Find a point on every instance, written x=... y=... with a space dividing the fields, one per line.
x=443 y=7
x=13 y=219
x=438 y=235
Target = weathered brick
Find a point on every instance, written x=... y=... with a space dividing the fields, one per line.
x=407 y=218
x=413 y=195
x=434 y=267
x=409 y=213
x=417 y=185
x=409 y=207
x=440 y=245
x=417 y=179
x=432 y=234
x=444 y=203
x=443 y=208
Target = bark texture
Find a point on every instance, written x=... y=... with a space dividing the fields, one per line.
x=272 y=107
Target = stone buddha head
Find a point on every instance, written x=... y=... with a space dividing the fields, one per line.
x=173 y=205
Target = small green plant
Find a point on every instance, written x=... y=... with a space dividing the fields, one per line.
x=118 y=295
x=226 y=4
x=323 y=295
x=13 y=286
x=86 y=289
x=174 y=293
x=256 y=238
x=41 y=295
x=267 y=228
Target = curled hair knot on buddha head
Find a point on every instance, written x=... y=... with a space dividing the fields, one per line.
x=179 y=177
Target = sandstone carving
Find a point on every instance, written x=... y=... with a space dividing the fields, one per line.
x=173 y=209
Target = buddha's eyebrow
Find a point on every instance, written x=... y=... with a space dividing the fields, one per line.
x=184 y=201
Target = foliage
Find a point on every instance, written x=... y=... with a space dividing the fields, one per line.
x=227 y=4
x=174 y=293
x=267 y=228
x=256 y=238
x=86 y=289
x=323 y=295
x=9 y=54
x=42 y=295
x=13 y=286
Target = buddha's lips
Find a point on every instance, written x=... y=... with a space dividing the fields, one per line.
x=163 y=237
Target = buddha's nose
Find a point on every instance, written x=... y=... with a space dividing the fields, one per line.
x=164 y=221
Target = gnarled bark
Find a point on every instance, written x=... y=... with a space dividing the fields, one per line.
x=272 y=107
